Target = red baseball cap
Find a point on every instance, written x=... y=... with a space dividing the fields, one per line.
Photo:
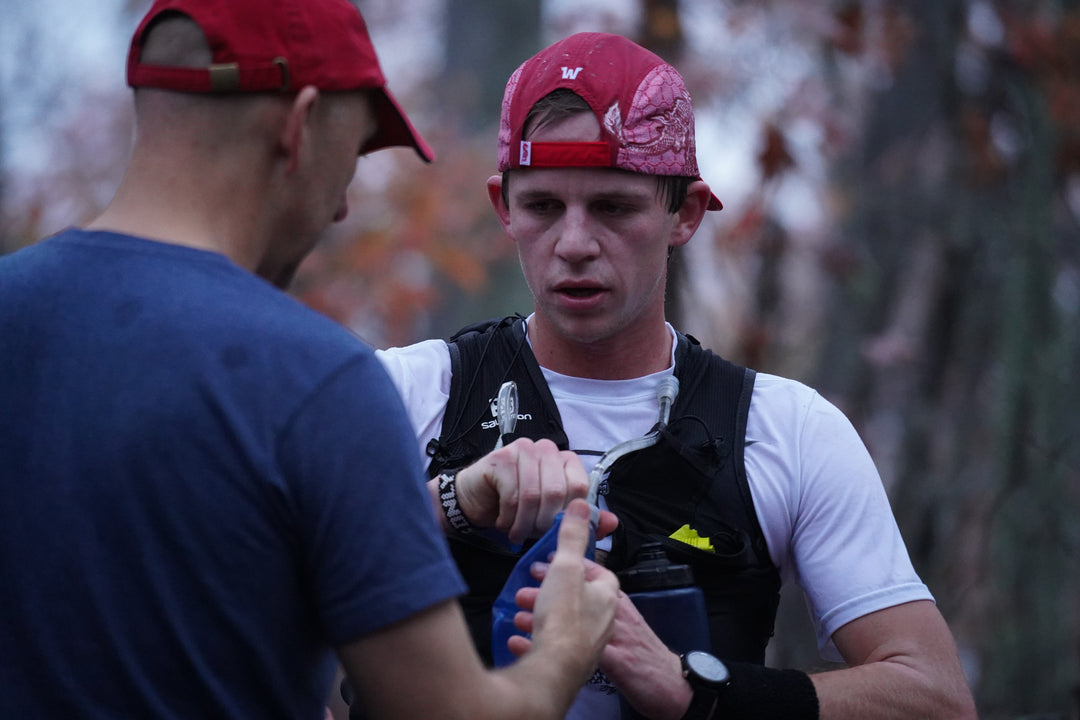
x=640 y=101
x=280 y=45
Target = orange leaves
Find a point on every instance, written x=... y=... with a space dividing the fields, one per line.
x=1051 y=54
x=774 y=157
x=889 y=34
x=848 y=36
x=416 y=236
x=749 y=225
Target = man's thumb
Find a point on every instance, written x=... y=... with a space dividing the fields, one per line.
x=574 y=529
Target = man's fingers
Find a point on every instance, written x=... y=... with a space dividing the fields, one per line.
x=519 y=488
x=511 y=481
x=577 y=480
x=607 y=524
x=519 y=506
x=554 y=491
x=525 y=598
x=518 y=644
x=539 y=571
x=574 y=531
x=523 y=621
x=545 y=479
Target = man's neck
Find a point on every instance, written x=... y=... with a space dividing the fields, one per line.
x=147 y=206
x=634 y=353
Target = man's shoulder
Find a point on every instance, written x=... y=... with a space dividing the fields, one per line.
x=780 y=384
x=772 y=394
x=792 y=408
x=424 y=365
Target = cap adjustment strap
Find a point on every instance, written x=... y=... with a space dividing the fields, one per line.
x=225 y=77
x=565 y=154
x=220 y=77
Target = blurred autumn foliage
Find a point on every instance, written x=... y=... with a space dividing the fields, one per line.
x=937 y=303
x=432 y=238
x=901 y=184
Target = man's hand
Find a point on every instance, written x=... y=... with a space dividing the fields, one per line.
x=577 y=599
x=646 y=671
x=518 y=489
x=638 y=662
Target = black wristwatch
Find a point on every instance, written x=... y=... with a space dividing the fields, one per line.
x=708 y=677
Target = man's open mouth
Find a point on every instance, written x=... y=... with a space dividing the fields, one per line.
x=579 y=292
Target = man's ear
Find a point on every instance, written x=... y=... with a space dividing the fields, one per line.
x=495 y=195
x=692 y=212
x=295 y=134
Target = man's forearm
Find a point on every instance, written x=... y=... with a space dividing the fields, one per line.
x=892 y=691
x=904 y=666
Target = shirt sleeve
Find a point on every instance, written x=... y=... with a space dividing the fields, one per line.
x=421 y=374
x=367 y=528
x=825 y=512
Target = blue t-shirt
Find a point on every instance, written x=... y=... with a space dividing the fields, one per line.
x=204 y=486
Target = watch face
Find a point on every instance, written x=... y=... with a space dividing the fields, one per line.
x=707 y=667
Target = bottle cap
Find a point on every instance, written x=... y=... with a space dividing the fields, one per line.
x=654 y=571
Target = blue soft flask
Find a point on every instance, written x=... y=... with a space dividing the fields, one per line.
x=505 y=608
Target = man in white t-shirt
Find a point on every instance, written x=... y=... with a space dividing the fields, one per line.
x=599 y=184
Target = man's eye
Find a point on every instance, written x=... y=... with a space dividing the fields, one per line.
x=541 y=206
x=612 y=208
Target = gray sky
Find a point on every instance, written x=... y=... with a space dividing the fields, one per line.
x=52 y=52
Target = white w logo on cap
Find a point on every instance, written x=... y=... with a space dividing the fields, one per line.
x=570 y=73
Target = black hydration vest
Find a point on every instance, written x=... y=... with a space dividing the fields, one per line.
x=694 y=475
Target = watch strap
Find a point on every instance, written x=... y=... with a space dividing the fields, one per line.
x=706 y=692
x=702 y=704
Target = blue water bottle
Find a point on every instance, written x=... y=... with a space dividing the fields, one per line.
x=672 y=604
x=504 y=609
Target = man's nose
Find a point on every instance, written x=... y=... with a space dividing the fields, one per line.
x=577 y=237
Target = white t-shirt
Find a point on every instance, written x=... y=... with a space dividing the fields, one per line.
x=818 y=497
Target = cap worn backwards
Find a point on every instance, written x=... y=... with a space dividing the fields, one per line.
x=283 y=45
x=640 y=101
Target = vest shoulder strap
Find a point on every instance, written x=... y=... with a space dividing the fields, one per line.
x=482 y=357
x=719 y=392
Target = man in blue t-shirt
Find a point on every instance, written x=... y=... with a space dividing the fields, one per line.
x=193 y=519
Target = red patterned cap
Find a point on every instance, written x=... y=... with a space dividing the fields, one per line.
x=284 y=45
x=640 y=101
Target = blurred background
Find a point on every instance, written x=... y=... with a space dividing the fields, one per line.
x=901 y=183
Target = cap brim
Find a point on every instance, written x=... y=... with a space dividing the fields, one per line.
x=394 y=127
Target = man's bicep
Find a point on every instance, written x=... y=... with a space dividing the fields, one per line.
x=905 y=666
x=911 y=633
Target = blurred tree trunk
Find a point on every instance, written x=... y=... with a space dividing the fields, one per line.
x=951 y=332
x=661 y=32
x=661 y=29
x=486 y=41
x=966 y=388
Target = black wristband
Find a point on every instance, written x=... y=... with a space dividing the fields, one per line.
x=449 y=503
x=760 y=693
